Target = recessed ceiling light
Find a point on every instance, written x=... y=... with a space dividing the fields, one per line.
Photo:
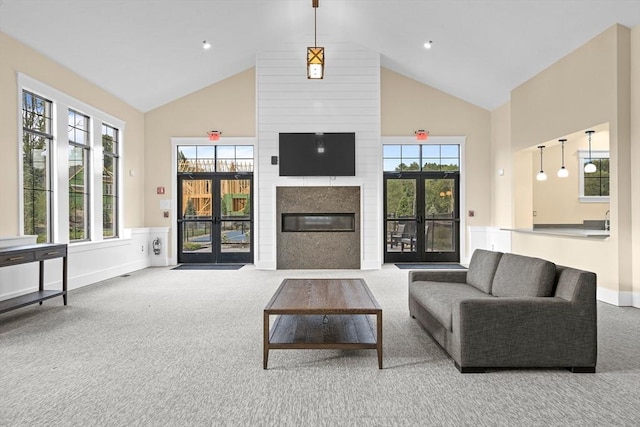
x=428 y=44
x=206 y=45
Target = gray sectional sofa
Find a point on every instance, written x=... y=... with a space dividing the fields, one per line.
x=509 y=311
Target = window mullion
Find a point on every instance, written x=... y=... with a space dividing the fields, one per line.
x=96 y=180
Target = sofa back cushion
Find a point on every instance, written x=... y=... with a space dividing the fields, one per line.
x=482 y=268
x=523 y=276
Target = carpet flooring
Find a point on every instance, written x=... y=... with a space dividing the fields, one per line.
x=430 y=266
x=166 y=348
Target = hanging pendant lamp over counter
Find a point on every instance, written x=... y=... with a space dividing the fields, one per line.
x=590 y=167
x=541 y=175
x=563 y=172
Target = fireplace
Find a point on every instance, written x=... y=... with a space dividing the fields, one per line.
x=318 y=222
x=318 y=227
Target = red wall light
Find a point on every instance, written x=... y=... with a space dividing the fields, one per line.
x=422 y=135
x=214 y=135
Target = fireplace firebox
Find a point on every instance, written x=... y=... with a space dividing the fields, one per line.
x=318 y=222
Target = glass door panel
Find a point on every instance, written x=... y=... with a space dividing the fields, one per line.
x=235 y=237
x=441 y=218
x=402 y=220
x=234 y=232
x=196 y=237
x=195 y=220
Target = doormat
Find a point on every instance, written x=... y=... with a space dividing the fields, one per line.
x=431 y=266
x=208 y=267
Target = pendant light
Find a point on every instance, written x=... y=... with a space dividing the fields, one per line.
x=315 y=54
x=541 y=175
x=563 y=172
x=590 y=167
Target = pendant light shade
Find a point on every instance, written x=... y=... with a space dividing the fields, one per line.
x=541 y=176
x=315 y=54
x=590 y=167
x=562 y=172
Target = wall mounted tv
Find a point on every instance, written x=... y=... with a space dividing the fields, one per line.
x=318 y=154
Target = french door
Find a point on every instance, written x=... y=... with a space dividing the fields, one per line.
x=422 y=217
x=215 y=220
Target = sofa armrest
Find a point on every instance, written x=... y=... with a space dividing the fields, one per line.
x=518 y=332
x=453 y=276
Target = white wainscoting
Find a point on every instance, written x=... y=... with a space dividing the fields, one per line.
x=489 y=238
x=88 y=262
x=346 y=100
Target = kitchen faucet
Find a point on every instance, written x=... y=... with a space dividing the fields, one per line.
x=607 y=222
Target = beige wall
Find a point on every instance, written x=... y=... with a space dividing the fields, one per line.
x=228 y=106
x=407 y=105
x=590 y=86
x=635 y=160
x=16 y=58
x=501 y=167
x=576 y=92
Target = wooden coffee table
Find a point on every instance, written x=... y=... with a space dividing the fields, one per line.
x=323 y=314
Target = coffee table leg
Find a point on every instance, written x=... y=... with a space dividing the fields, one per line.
x=265 y=355
x=379 y=339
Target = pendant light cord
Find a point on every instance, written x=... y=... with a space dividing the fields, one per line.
x=541 y=147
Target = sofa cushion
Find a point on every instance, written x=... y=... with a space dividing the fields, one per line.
x=523 y=276
x=482 y=268
x=438 y=298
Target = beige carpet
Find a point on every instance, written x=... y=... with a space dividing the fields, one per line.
x=164 y=347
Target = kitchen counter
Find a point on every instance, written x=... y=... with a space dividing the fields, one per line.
x=566 y=232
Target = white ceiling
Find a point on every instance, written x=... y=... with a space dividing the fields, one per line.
x=149 y=52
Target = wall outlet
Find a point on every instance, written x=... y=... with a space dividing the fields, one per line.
x=472 y=214
x=142 y=248
x=535 y=213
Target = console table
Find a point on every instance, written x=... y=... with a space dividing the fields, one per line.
x=40 y=252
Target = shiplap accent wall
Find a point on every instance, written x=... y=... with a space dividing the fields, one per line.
x=346 y=100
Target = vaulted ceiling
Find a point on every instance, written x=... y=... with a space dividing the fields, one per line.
x=149 y=52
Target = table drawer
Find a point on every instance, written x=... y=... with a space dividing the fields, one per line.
x=16 y=258
x=50 y=253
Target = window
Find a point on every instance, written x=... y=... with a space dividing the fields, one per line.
x=37 y=139
x=215 y=158
x=426 y=157
x=110 y=142
x=61 y=153
x=594 y=187
x=79 y=195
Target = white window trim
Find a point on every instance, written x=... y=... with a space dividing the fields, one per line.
x=60 y=170
x=233 y=140
x=583 y=156
x=438 y=140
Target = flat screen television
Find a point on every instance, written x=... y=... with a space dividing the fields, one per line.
x=318 y=154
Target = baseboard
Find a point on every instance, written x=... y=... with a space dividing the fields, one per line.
x=618 y=298
x=371 y=265
x=107 y=273
x=635 y=299
x=265 y=265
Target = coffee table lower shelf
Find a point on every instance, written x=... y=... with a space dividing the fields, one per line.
x=324 y=331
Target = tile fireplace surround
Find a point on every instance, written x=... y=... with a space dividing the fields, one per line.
x=329 y=245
